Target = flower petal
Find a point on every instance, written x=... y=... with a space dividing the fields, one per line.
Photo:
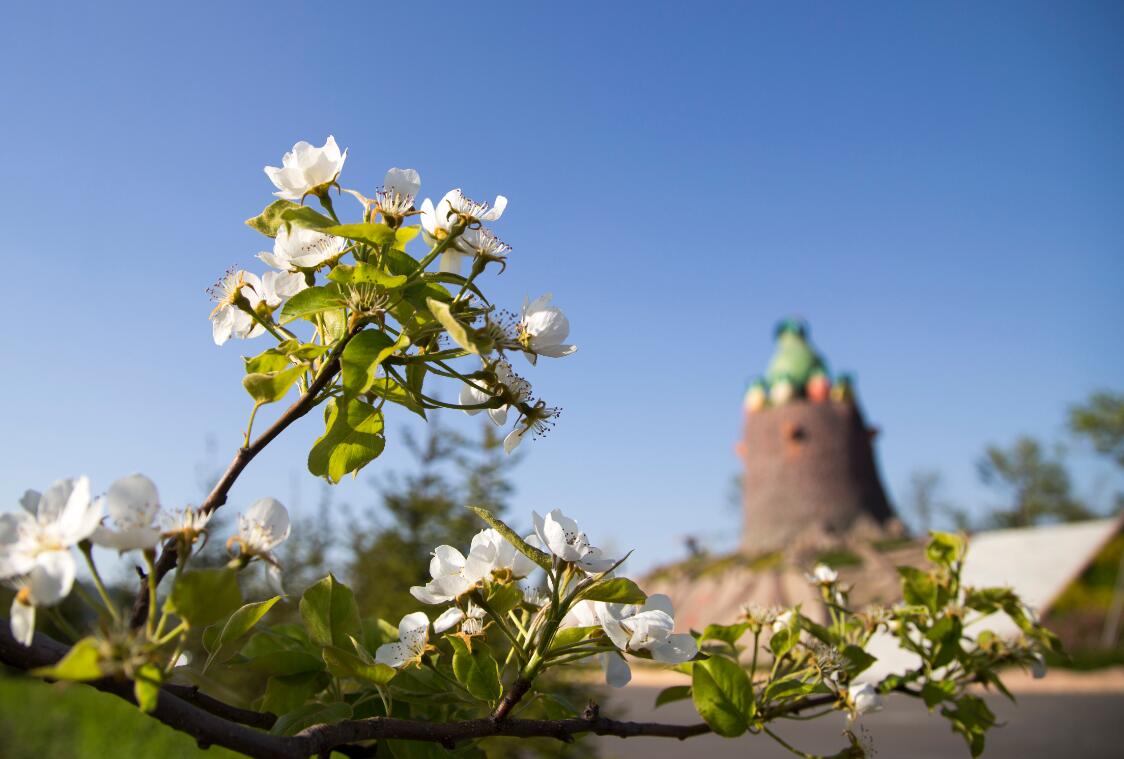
x=22 y=621
x=52 y=578
x=617 y=672
x=449 y=618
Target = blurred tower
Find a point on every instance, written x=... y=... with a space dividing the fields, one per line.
x=810 y=473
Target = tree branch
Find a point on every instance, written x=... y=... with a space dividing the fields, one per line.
x=212 y=722
x=217 y=496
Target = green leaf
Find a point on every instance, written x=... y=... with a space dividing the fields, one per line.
x=456 y=280
x=308 y=715
x=286 y=662
x=918 y=587
x=570 y=635
x=372 y=234
x=236 y=629
x=723 y=695
x=972 y=718
x=360 y=360
x=335 y=325
x=366 y=274
x=858 y=660
x=330 y=613
x=343 y=664
x=459 y=333
x=146 y=686
x=619 y=590
x=310 y=301
x=539 y=557
x=726 y=633
x=204 y=596
x=673 y=693
x=303 y=216
x=945 y=548
x=284 y=694
x=476 y=670
x=267 y=361
x=935 y=692
x=351 y=439
x=271 y=387
x=270 y=220
x=788 y=688
x=503 y=598
x=783 y=641
x=82 y=662
x=387 y=388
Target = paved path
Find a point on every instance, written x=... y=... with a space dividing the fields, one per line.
x=1085 y=726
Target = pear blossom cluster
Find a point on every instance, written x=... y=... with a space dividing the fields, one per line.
x=36 y=544
x=245 y=302
x=644 y=630
x=637 y=629
x=455 y=575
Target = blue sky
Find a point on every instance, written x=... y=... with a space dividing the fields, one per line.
x=939 y=189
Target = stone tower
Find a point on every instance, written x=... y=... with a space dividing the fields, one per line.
x=811 y=479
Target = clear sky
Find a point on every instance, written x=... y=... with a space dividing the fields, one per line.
x=938 y=188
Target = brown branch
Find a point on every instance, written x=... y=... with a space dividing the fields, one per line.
x=212 y=722
x=194 y=696
x=217 y=496
x=518 y=689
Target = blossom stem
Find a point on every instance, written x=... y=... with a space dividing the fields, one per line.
x=756 y=646
x=175 y=655
x=502 y=626
x=781 y=741
x=60 y=621
x=87 y=551
x=423 y=397
x=181 y=627
x=250 y=426
x=149 y=555
x=438 y=249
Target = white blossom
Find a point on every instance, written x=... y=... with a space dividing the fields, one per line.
x=133 y=505
x=484 y=244
x=560 y=535
x=306 y=168
x=278 y=286
x=822 y=574
x=453 y=574
x=236 y=291
x=396 y=196
x=491 y=553
x=507 y=385
x=187 y=522
x=537 y=421
x=783 y=620
x=300 y=248
x=454 y=208
x=864 y=698
x=634 y=628
x=447 y=568
x=470 y=620
x=542 y=329
x=413 y=639
x=35 y=557
x=263 y=527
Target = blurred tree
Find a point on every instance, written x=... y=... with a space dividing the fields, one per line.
x=1100 y=420
x=925 y=500
x=1037 y=482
